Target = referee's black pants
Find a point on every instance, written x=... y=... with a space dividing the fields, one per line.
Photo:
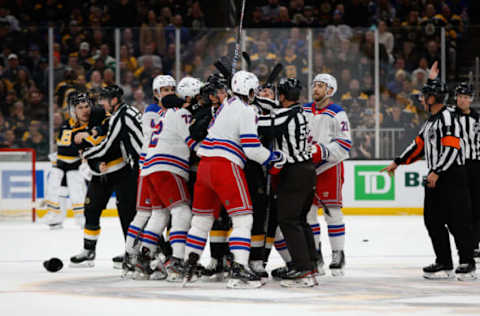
x=124 y=183
x=473 y=173
x=294 y=197
x=448 y=208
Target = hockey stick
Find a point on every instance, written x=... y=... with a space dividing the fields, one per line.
x=239 y=36
x=326 y=210
x=275 y=72
x=223 y=70
x=248 y=61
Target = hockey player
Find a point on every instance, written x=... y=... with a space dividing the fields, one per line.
x=165 y=173
x=213 y=94
x=114 y=165
x=188 y=89
x=64 y=178
x=232 y=137
x=332 y=143
x=163 y=85
x=470 y=123
x=447 y=200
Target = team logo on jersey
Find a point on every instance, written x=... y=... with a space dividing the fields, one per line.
x=87 y=200
x=148 y=201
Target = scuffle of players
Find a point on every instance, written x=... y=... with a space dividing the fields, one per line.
x=231 y=161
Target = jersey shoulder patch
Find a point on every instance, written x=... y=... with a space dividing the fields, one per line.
x=153 y=108
x=335 y=108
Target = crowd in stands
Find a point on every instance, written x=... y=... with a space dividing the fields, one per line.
x=343 y=44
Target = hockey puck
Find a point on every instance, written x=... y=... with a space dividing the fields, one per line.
x=365 y=240
x=53 y=264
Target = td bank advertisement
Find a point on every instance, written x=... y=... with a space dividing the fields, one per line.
x=366 y=187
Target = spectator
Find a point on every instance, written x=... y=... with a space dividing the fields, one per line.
x=84 y=58
x=150 y=53
x=271 y=11
x=152 y=34
x=129 y=41
x=23 y=83
x=432 y=52
x=37 y=107
x=127 y=62
x=108 y=77
x=104 y=55
x=386 y=38
x=19 y=120
x=283 y=18
x=139 y=100
x=195 y=18
x=13 y=67
x=96 y=82
x=257 y=19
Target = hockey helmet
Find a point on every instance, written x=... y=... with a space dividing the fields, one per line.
x=329 y=80
x=465 y=89
x=434 y=87
x=161 y=81
x=110 y=92
x=189 y=87
x=244 y=83
x=74 y=99
x=290 y=88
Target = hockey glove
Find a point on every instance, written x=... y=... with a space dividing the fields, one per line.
x=319 y=153
x=277 y=162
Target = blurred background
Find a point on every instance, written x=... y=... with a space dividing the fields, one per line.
x=379 y=51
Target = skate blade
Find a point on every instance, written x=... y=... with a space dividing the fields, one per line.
x=85 y=264
x=337 y=272
x=466 y=276
x=55 y=226
x=158 y=275
x=301 y=283
x=442 y=275
x=239 y=284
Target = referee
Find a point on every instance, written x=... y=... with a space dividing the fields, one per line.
x=470 y=122
x=296 y=182
x=447 y=205
x=114 y=166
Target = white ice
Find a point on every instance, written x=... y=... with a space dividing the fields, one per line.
x=383 y=276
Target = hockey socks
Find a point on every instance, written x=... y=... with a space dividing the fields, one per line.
x=198 y=234
x=155 y=227
x=336 y=228
x=181 y=218
x=312 y=220
x=239 y=240
x=134 y=232
x=281 y=246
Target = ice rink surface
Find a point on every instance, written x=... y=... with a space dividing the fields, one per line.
x=383 y=276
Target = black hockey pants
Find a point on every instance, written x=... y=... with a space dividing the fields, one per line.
x=124 y=183
x=294 y=197
x=447 y=208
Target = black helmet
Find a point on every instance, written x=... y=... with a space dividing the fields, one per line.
x=290 y=88
x=74 y=99
x=110 y=92
x=214 y=82
x=434 y=87
x=464 y=88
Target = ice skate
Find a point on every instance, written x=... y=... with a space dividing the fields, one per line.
x=338 y=263
x=85 y=259
x=143 y=270
x=256 y=266
x=128 y=265
x=242 y=278
x=118 y=261
x=191 y=267
x=299 y=279
x=214 y=272
x=175 y=269
x=280 y=273
x=476 y=255
x=438 y=271
x=466 y=272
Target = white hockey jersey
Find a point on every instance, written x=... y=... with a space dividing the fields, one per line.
x=330 y=129
x=170 y=144
x=149 y=121
x=232 y=134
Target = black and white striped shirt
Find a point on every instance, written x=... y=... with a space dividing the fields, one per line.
x=123 y=140
x=439 y=140
x=470 y=124
x=289 y=130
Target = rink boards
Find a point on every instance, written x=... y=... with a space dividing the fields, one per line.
x=366 y=190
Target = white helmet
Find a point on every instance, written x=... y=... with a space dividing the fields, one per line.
x=161 y=81
x=243 y=82
x=188 y=87
x=329 y=80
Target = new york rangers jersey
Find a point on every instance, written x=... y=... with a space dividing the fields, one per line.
x=170 y=143
x=233 y=134
x=330 y=130
x=149 y=121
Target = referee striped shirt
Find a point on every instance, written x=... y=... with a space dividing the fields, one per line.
x=470 y=124
x=289 y=129
x=439 y=140
x=124 y=137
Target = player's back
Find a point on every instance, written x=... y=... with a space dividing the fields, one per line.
x=167 y=149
